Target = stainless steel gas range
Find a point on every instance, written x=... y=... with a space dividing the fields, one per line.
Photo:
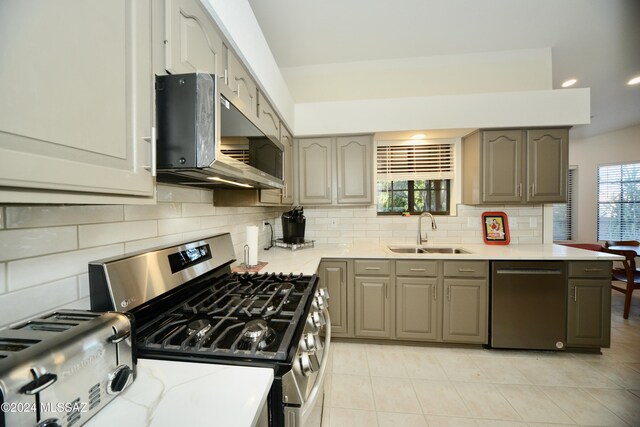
x=190 y=307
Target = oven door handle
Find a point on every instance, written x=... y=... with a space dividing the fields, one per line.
x=317 y=387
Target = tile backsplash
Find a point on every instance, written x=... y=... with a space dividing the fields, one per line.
x=45 y=249
x=362 y=225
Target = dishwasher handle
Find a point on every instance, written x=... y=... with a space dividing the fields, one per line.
x=529 y=271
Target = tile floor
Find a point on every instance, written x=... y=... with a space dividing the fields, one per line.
x=406 y=386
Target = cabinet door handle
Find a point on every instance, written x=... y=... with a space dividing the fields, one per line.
x=592 y=270
x=575 y=294
x=533 y=190
x=152 y=140
x=372 y=268
x=417 y=269
x=435 y=293
x=448 y=293
x=520 y=190
x=466 y=270
x=385 y=291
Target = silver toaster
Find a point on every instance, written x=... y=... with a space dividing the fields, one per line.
x=62 y=368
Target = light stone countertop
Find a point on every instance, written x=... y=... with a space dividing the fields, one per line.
x=168 y=394
x=306 y=260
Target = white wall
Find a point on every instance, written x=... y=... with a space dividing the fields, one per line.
x=621 y=146
x=45 y=249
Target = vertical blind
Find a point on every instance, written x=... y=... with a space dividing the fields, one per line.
x=414 y=162
x=619 y=202
x=563 y=212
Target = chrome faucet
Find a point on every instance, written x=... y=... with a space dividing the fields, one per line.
x=433 y=227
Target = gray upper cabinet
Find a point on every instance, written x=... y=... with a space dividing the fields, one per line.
x=268 y=120
x=287 y=162
x=350 y=181
x=81 y=112
x=192 y=43
x=354 y=169
x=244 y=93
x=315 y=158
x=547 y=164
x=515 y=166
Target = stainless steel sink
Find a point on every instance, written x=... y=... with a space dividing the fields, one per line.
x=426 y=250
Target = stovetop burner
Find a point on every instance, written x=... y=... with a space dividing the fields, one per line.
x=239 y=314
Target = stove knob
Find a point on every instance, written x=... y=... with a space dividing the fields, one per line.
x=318 y=303
x=309 y=363
x=316 y=320
x=324 y=293
x=119 y=379
x=309 y=342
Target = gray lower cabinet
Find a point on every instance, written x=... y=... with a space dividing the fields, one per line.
x=417 y=308
x=465 y=309
x=589 y=304
x=333 y=277
x=372 y=307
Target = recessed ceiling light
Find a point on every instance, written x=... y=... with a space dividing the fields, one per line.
x=419 y=136
x=634 y=81
x=569 y=82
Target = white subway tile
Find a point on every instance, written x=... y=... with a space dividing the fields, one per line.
x=24 y=304
x=197 y=209
x=530 y=240
x=335 y=240
x=530 y=212
x=177 y=225
x=80 y=304
x=366 y=240
x=377 y=233
x=3 y=278
x=174 y=193
x=83 y=285
x=368 y=227
x=206 y=196
x=30 y=242
x=157 y=211
x=34 y=271
x=50 y=216
x=315 y=213
x=204 y=233
x=154 y=242
x=105 y=234
x=217 y=221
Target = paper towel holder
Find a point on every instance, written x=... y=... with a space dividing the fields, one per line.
x=246 y=257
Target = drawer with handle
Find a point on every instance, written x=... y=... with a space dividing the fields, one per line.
x=416 y=268
x=589 y=268
x=372 y=267
x=465 y=268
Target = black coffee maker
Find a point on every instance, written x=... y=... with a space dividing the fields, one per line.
x=293 y=226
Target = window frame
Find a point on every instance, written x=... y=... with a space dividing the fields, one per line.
x=411 y=198
x=621 y=235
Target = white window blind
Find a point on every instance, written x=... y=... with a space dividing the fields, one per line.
x=563 y=212
x=397 y=162
x=619 y=202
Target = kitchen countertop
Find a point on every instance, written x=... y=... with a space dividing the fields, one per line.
x=169 y=393
x=306 y=260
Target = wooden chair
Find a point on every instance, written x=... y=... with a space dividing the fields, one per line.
x=628 y=274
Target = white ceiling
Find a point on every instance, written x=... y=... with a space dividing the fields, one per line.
x=595 y=41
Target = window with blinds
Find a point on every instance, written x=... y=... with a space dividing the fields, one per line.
x=414 y=162
x=414 y=177
x=563 y=212
x=619 y=202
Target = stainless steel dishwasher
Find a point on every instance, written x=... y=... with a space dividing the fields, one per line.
x=528 y=304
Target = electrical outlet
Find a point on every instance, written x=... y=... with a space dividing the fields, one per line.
x=334 y=221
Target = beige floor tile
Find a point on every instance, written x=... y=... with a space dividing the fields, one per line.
x=461 y=368
x=634 y=366
x=623 y=403
x=341 y=417
x=486 y=401
x=395 y=419
x=395 y=395
x=500 y=370
x=581 y=374
x=636 y=392
x=351 y=391
x=434 y=421
x=501 y=423
x=350 y=360
x=439 y=398
x=622 y=374
x=581 y=407
x=533 y=405
x=386 y=363
x=422 y=365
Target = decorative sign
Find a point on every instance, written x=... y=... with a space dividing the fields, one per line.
x=495 y=228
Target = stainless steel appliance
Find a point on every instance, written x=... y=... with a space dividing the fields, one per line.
x=62 y=368
x=204 y=140
x=189 y=307
x=528 y=304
